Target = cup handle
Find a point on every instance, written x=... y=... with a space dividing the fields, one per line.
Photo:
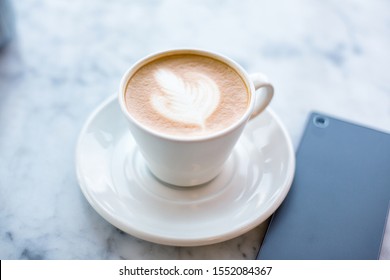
x=262 y=98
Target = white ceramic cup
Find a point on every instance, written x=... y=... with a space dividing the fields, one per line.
x=190 y=161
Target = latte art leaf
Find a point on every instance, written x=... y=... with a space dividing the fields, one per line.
x=189 y=101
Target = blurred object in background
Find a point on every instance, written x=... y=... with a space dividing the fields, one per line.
x=6 y=22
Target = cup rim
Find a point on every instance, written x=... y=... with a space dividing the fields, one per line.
x=195 y=138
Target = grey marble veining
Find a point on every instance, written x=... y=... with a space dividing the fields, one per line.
x=68 y=56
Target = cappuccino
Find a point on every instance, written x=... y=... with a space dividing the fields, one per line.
x=186 y=95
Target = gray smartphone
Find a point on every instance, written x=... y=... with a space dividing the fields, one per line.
x=338 y=203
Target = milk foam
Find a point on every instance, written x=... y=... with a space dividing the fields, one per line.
x=186 y=95
x=189 y=100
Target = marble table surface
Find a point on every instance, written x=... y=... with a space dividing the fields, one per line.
x=66 y=57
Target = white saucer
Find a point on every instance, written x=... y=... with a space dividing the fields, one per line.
x=115 y=180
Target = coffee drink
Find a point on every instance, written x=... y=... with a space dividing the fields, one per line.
x=186 y=110
x=186 y=95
